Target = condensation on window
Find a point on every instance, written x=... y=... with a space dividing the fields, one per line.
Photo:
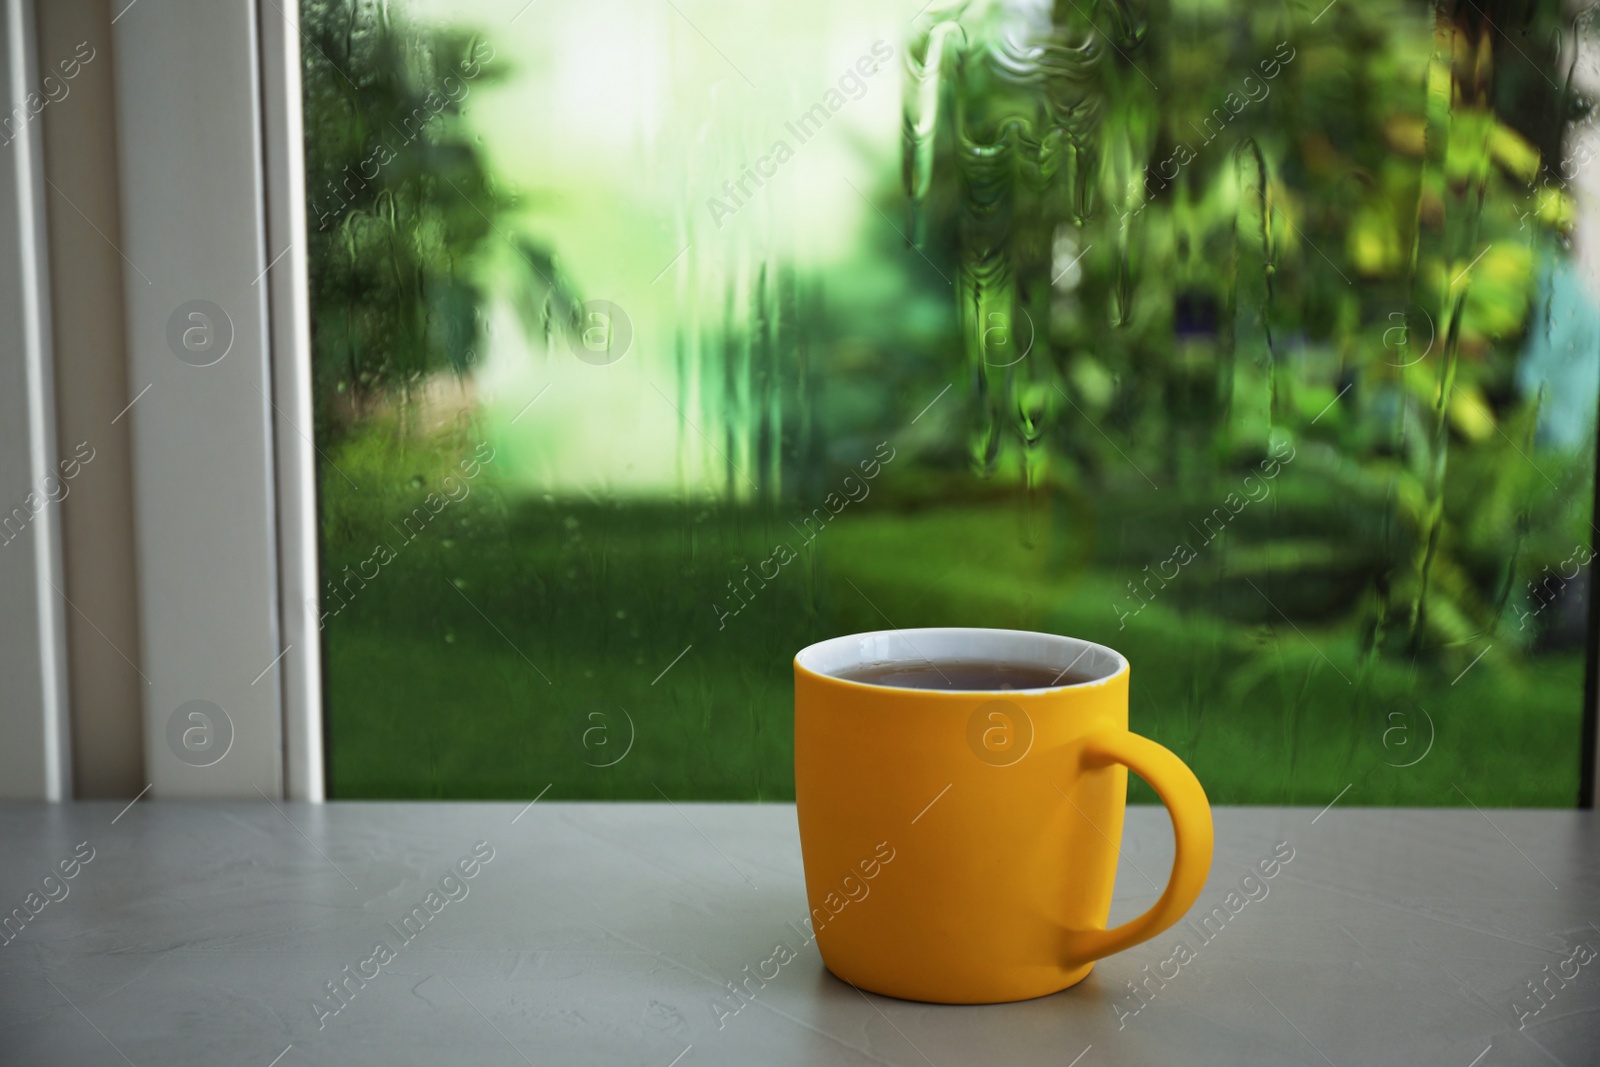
x=654 y=342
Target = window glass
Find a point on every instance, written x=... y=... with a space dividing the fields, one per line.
x=654 y=341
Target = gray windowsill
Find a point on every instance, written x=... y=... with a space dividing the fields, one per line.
x=203 y=933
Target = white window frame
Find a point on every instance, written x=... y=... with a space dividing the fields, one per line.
x=289 y=315
x=212 y=175
x=212 y=190
x=35 y=755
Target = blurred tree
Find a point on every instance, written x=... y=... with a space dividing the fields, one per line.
x=403 y=213
x=1258 y=226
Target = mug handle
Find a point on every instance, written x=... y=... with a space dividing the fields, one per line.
x=1186 y=803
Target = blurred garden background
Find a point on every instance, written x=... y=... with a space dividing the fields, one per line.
x=653 y=342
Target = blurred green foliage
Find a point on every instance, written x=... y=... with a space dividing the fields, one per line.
x=402 y=207
x=1329 y=231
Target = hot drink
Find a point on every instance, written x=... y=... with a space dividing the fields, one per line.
x=969 y=675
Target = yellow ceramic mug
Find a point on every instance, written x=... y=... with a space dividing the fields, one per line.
x=960 y=846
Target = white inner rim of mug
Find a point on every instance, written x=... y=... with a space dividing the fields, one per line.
x=880 y=648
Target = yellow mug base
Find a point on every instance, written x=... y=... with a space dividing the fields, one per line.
x=992 y=993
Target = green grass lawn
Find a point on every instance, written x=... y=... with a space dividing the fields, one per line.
x=511 y=647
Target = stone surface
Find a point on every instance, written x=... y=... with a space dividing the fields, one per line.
x=605 y=934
